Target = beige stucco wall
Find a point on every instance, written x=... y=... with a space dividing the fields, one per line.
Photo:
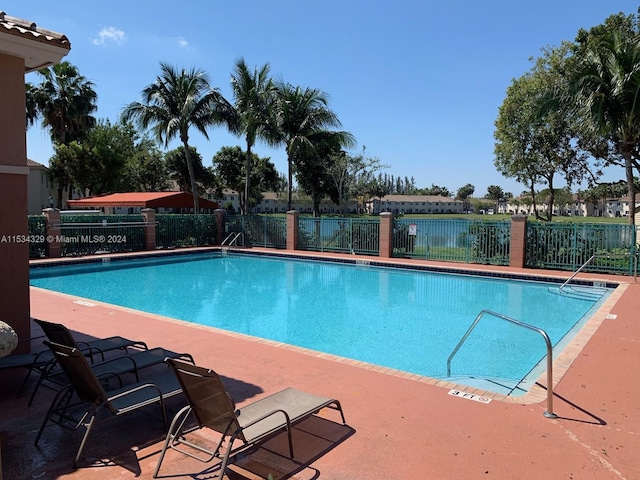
x=39 y=189
x=14 y=254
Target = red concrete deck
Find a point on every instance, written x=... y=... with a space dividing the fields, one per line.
x=399 y=426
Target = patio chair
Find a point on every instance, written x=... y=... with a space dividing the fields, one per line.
x=82 y=409
x=38 y=362
x=214 y=408
x=129 y=363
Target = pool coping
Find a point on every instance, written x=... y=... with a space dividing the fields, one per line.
x=537 y=393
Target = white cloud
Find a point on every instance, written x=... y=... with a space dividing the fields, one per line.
x=109 y=34
x=182 y=42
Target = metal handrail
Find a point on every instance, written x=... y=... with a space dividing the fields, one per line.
x=232 y=237
x=549 y=412
x=604 y=255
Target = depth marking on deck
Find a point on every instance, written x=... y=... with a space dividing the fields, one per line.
x=86 y=304
x=469 y=396
x=611 y=316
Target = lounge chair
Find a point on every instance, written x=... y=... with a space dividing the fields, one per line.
x=132 y=362
x=91 y=399
x=214 y=408
x=38 y=362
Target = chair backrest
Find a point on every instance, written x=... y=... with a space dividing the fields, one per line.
x=57 y=333
x=79 y=372
x=210 y=403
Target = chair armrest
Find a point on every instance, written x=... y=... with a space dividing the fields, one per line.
x=270 y=414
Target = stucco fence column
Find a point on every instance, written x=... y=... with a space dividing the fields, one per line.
x=518 y=244
x=150 y=228
x=386 y=235
x=292 y=229
x=53 y=248
x=219 y=213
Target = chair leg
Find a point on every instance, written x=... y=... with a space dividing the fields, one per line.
x=57 y=400
x=84 y=438
x=44 y=374
x=225 y=459
x=24 y=382
x=170 y=435
x=290 y=441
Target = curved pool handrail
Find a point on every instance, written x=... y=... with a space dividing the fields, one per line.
x=549 y=412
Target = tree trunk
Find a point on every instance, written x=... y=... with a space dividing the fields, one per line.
x=247 y=179
x=192 y=175
x=59 y=199
x=628 y=167
x=290 y=180
x=552 y=199
x=533 y=200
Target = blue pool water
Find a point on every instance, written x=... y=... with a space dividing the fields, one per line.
x=404 y=319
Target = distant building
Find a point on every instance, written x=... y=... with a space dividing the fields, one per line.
x=413 y=204
x=41 y=192
x=579 y=207
x=134 y=202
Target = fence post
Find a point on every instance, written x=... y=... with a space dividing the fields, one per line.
x=386 y=235
x=149 y=215
x=219 y=213
x=292 y=230
x=53 y=249
x=518 y=243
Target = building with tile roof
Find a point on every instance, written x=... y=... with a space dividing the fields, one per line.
x=24 y=47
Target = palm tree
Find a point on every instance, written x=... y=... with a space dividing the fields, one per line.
x=303 y=118
x=607 y=94
x=31 y=104
x=175 y=102
x=253 y=95
x=65 y=100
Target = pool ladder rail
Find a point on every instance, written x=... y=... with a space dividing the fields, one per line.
x=595 y=291
x=549 y=412
x=231 y=241
x=603 y=255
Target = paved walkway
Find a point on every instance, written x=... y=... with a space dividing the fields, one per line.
x=399 y=426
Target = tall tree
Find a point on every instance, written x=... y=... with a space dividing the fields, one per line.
x=435 y=190
x=175 y=102
x=177 y=166
x=146 y=170
x=606 y=91
x=312 y=173
x=303 y=120
x=106 y=149
x=253 y=93
x=31 y=104
x=350 y=174
x=229 y=170
x=464 y=193
x=535 y=143
x=495 y=193
x=65 y=102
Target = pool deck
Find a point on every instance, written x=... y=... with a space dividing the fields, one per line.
x=399 y=426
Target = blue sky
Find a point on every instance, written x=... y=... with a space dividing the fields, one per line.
x=418 y=83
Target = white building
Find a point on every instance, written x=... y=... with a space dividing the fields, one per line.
x=413 y=204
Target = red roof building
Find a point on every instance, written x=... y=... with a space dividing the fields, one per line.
x=173 y=201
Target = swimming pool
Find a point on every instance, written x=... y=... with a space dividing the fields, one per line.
x=403 y=319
